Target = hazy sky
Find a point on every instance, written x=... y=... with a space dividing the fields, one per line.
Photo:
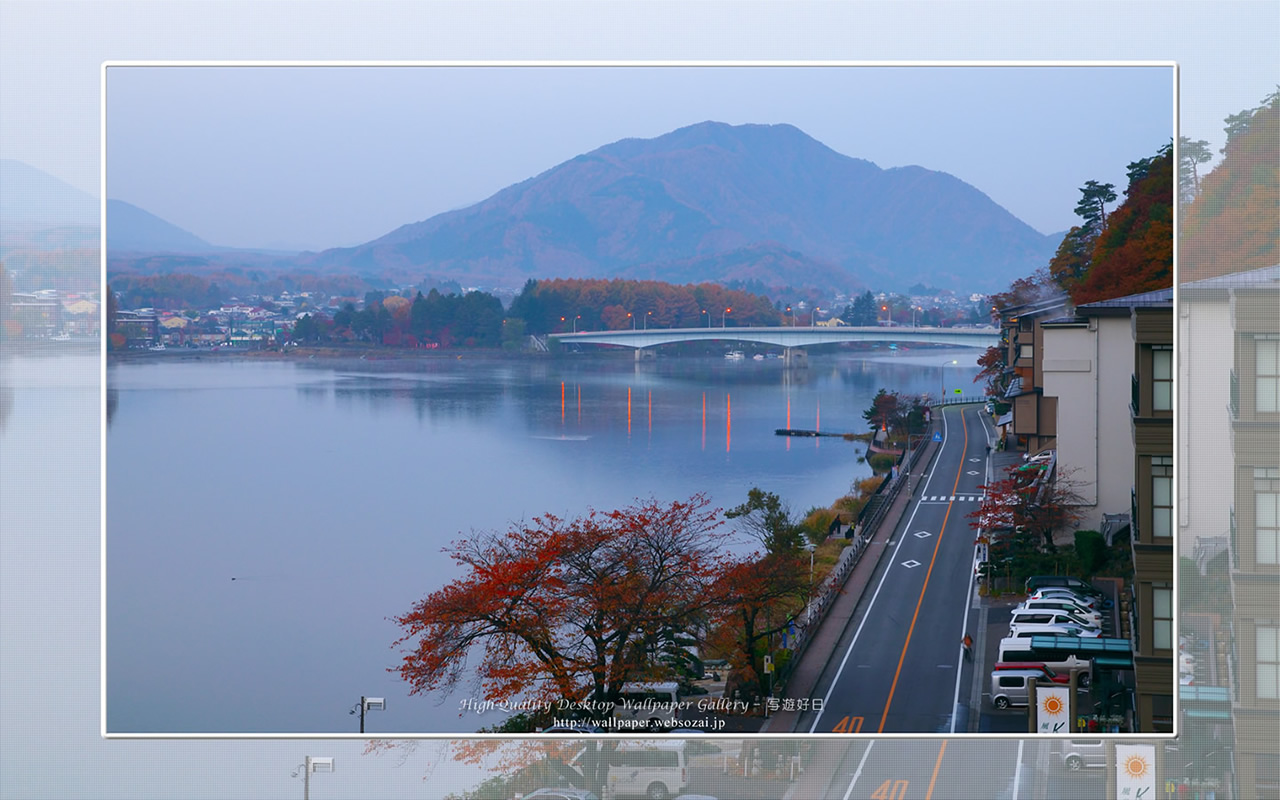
x=50 y=53
x=320 y=157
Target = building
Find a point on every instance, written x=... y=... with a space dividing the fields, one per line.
x=1151 y=516
x=1231 y=325
x=1088 y=359
x=1082 y=365
x=1035 y=416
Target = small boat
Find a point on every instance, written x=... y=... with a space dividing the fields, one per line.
x=157 y=348
x=734 y=355
x=757 y=357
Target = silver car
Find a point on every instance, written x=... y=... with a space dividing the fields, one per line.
x=1076 y=754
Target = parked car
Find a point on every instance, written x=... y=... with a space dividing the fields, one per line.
x=1091 y=618
x=567 y=793
x=1075 y=754
x=1078 y=585
x=1050 y=616
x=1012 y=687
x=1043 y=669
x=1058 y=592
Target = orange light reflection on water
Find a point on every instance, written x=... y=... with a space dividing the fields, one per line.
x=728 y=422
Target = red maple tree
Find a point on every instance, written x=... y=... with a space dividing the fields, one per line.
x=1028 y=500
x=565 y=609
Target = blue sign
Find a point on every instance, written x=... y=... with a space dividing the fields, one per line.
x=937 y=436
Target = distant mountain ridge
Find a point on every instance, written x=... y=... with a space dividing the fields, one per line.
x=679 y=204
x=34 y=199
x=132 y=229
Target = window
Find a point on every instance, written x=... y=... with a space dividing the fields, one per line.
x=1026 y=351
x=1266 y=520
x=1162 y=496
x=1161 y=378
x=1267 y=370
x=1268 y=658
x=1162 y=616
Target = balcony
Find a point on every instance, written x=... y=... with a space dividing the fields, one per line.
x=1133 y=515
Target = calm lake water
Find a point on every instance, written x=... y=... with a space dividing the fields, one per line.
x=265 y=520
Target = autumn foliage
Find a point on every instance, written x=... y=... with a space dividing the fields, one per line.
x=1024 y=502
x=1231 y=226
x=565 y=609
x=1134 y=252
x=563 y=305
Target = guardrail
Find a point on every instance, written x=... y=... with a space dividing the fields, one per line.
x=864 y=531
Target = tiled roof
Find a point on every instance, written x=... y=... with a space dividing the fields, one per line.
x=1160 y=297
x=1259 y=278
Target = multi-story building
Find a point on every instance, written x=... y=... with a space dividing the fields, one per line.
x=1087 y=364
x=1035 y=415
x=1231 y=328
x=1151 y=517
x=1119 y=456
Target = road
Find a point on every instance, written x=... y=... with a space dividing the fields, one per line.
x=950 y=769
x=900 y=666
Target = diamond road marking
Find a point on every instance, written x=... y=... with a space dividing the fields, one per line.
x=972 y=472
x=911 y=564
x=921 y=534
x=975 y=460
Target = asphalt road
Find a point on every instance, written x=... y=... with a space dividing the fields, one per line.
x=900 y=667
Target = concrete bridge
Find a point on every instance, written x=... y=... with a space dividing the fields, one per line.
x=790 y=338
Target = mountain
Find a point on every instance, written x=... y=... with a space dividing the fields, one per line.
x=34 y=200
x=702 y=202
x=131 y=229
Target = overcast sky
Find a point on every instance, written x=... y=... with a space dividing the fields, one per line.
x=315 y=157
x=50 y=53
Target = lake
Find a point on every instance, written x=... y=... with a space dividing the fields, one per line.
x=266 y=519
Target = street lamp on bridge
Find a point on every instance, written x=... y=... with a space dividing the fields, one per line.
x=724 y=317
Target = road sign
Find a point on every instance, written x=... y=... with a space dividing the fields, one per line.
x=937 y=436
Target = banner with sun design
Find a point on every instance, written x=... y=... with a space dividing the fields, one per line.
x=1053 y=709
x=1135 y=771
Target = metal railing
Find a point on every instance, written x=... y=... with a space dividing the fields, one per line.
x=959 y=399
x=865 y=528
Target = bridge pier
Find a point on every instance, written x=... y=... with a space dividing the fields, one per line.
x=645 y=354
x=795 y=357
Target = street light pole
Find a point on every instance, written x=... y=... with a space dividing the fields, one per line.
x=368 y=704
x=724 y=317
x=813 y=316
x=310 y=765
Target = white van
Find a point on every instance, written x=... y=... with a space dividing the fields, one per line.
x=652 y=769
x=1019 y=650
x=649 y=703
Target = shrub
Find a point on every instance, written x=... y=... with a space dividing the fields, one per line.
x=882 y=462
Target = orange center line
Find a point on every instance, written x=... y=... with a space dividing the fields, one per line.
x=902 y=658
x=937 y=764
